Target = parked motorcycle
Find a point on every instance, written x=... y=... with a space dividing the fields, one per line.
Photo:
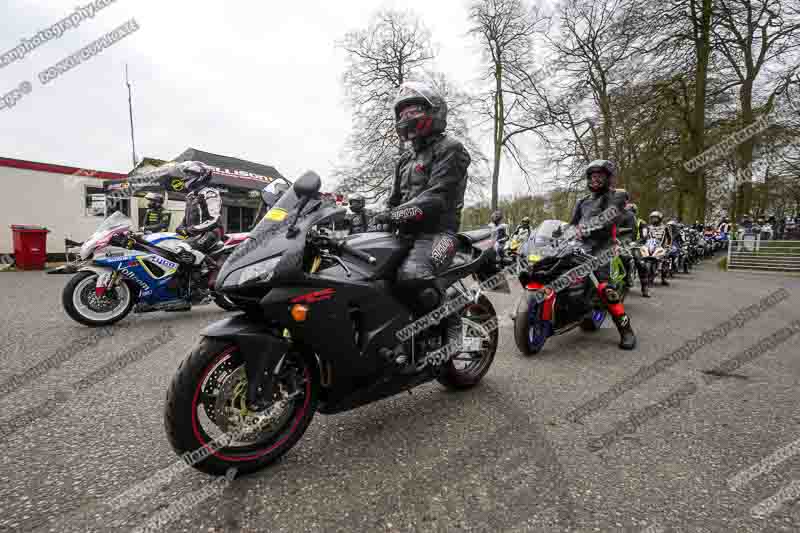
x=542 y=312
x=320 y=333
x=654 y=257
x=121 y=271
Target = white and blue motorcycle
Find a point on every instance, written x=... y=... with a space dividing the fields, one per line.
x=121 y=271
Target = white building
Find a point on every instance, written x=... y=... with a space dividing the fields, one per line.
x=57 y=197
x=71 y=202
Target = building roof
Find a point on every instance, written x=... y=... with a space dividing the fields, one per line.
x=224 y=162
x=60 y=169
x=227 y=171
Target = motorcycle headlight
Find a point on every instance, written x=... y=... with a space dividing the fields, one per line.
x=88 y=248
x=534 y=258
x=261 y=271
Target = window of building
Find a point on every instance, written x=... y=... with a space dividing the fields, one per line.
x=98 y=204
x=94 y=201
x=239 y=219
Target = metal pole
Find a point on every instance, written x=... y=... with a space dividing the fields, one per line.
x=728 y=263
x=130 y=114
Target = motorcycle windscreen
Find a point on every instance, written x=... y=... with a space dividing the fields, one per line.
x=270 y=236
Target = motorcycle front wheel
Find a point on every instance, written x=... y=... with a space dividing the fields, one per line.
x=206 y=420
x=82 y=304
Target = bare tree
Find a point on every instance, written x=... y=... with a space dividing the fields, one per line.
x=757 y=38
x=395 y=47
x=505 y=30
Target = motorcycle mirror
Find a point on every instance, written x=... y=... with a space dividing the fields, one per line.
x=308 y=184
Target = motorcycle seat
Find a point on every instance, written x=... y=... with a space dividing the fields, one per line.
x=476 y=235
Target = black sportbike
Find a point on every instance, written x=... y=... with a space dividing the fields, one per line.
x=320 y=333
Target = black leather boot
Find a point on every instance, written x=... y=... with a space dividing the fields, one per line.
x=627 y=338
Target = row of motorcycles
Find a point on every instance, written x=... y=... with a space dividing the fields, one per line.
x=546 y=308
x=318 y=327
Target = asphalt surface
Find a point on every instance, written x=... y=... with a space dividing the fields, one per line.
x=500 y=457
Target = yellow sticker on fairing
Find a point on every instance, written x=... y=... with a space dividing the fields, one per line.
x=276 y=214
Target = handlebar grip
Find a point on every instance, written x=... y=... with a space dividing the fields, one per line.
x=358 y=254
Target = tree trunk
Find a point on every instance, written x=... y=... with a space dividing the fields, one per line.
x=697 y=129
x=499 y=128
x=744 y=198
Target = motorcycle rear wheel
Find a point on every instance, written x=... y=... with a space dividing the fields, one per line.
x=455 y=376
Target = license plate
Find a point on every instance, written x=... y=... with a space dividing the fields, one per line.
x=471 y=344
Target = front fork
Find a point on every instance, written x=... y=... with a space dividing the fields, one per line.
x=105 y=281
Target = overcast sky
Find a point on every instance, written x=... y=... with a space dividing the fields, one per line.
x=255 y=80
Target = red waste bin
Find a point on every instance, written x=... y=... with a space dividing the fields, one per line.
x=30 y=246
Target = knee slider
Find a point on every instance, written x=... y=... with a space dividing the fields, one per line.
x=612 y=296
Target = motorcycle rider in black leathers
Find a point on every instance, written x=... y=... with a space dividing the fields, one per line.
x=202 y=211
x=427 y=195
x=598 y=235
x=156 y=218
x=359 y=220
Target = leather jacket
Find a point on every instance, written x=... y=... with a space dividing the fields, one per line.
x=597 y=232
x=429 y=184
x=202 y=211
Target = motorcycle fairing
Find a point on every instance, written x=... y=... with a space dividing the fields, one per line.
x=133 y=266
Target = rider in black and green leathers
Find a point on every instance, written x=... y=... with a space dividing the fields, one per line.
x=156 y=218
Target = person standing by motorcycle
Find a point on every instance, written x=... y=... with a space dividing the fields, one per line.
x=676 y=232
x=724 y=226
x=658 y=230
x=156 y=218
x=499 y=232
x=358 y=220
x=641 y=225
x=202 y=211
x=427 y=198
x=523 y=230
x=599 y=233
x=629 y=220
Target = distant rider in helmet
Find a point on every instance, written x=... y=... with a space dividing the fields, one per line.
x=499 y=232
x=523 y=230
x=658 y=230
x=597 y=230
x=156 y=218
x=358 y=220
x=627 y=233
x=427 y=196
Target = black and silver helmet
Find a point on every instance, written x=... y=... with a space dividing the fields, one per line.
x=656 y=214
x=605 y=166
x=357 y=203
x=419 y=111
x=197 y=175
